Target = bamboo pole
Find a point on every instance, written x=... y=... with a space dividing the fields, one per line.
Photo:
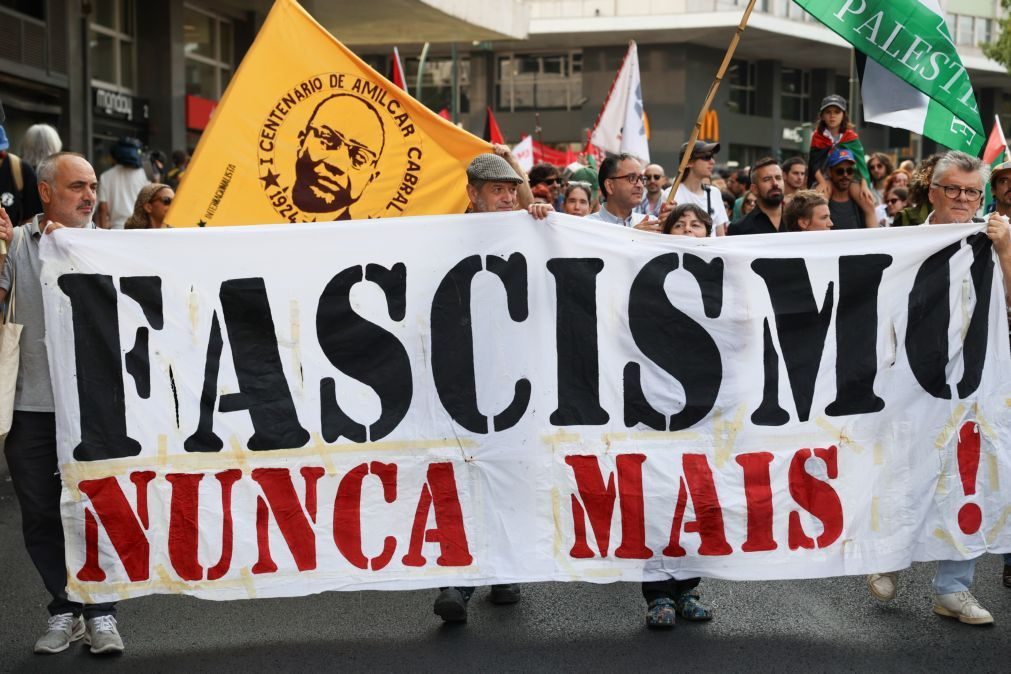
x=709 y=100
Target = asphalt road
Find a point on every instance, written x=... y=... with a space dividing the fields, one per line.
x=823 y=625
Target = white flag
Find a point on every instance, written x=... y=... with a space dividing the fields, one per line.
x=621 y=125
x=523 y=152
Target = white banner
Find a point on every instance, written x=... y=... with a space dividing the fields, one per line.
x=273 y=411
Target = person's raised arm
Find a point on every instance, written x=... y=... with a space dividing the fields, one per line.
x=998 y=231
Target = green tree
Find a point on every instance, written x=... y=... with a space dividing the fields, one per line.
x=1000 y=50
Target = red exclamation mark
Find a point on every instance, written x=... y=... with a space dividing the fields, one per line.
x=970 y=517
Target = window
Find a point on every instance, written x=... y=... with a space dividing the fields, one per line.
x=741 y=77
x=111 y=44
x=437 y=81
x=984 y=31
x=796 y=94
x=32 y=8
x=210 y=52
x=964 y=25
x=539 y=81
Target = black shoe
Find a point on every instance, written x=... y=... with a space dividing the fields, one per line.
x=451 y=605
x=1007 y=575
x=505 y=594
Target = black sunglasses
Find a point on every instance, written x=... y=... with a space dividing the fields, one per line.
x=165 y=200
x=843 y=171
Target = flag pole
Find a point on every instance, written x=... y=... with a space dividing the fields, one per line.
x=709 y=99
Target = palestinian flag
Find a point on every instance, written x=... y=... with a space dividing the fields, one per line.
x=995 y=153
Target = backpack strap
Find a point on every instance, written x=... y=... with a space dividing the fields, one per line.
x=19 y=178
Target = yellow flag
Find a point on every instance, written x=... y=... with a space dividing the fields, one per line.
x=308 y=132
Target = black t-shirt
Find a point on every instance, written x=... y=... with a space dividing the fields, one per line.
x=846 y=214
x=20 y=206
x=755 y=222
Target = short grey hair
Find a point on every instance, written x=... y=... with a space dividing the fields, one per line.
x=960 y=161
x=46 y=170
x=40 y=141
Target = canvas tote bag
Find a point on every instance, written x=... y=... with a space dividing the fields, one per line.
x=10 y=339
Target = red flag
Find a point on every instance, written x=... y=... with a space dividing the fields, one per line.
x=492 y=133
x=996 y=146
x=444 y=113
x=397 y=71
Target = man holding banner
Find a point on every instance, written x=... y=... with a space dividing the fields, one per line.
x=956 y=192
x=68 y=189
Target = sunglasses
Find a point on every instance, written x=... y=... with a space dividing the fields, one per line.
x=843 y=171
x=893 y=201
x=551 y=181
x=167 y=201
x=705 y=157
x=649 y=177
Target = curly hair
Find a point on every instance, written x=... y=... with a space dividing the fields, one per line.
x=801 y=207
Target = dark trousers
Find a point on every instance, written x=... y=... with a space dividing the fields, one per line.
x=31 y=457
x=670 y=588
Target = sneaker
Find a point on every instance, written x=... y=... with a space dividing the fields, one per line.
x=505 y=594
x=1007 y=575
x=451 y=605
x=690 y=608
x=883 y=585
x=63 y=630
x=963 y=606
x=102 y=635
x=661 y=614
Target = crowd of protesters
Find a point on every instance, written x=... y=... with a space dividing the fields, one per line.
x=836 y=186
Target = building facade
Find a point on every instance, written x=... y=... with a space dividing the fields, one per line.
x=101 y=69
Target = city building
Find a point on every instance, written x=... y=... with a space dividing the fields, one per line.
x=100 y=69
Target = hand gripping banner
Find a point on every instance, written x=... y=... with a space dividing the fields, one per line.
x=276 y=410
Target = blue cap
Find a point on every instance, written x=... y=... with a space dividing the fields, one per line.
x=839 y=155
x=4 y=143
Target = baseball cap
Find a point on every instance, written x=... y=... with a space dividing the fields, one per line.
x=126 y=151
x=701 y=147
x=839 y=155
x=1000 y=168
x=4 y=143
x=833 y=99
x=493 y=168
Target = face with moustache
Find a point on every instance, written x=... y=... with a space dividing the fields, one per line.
x=70 y=198
x=768 y=186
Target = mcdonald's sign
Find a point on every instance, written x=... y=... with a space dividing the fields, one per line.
x=710 y=127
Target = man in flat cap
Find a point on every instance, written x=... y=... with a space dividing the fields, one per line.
x=492 y=186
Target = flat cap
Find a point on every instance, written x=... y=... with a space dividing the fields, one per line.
x=492 y=168
x=833 y=99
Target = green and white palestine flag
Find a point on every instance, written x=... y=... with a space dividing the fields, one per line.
x=913 y=78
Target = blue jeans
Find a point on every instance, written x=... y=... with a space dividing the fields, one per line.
x=954 y=576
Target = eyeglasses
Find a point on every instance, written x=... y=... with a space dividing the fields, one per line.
x=649 y=177
x=892 y=201
x=954 y=191
x=632 y=178
x=167 y=201
x=843 y=171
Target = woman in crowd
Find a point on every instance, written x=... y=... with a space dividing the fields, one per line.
x=748 y=203
x=688 y=220
x=807 y=212
x=577 y=200
x=896 y=199
x=40 y=141
x=149 y=210
x=918 y=208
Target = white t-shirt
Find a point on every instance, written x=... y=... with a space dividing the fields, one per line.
x=119 y=187
x=717 y=212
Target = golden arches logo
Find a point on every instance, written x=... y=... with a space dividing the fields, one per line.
x=710 y=127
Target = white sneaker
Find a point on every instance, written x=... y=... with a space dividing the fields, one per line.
x=883 y=585
x=63 y=630
x=963 y=606
x=102 y=635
